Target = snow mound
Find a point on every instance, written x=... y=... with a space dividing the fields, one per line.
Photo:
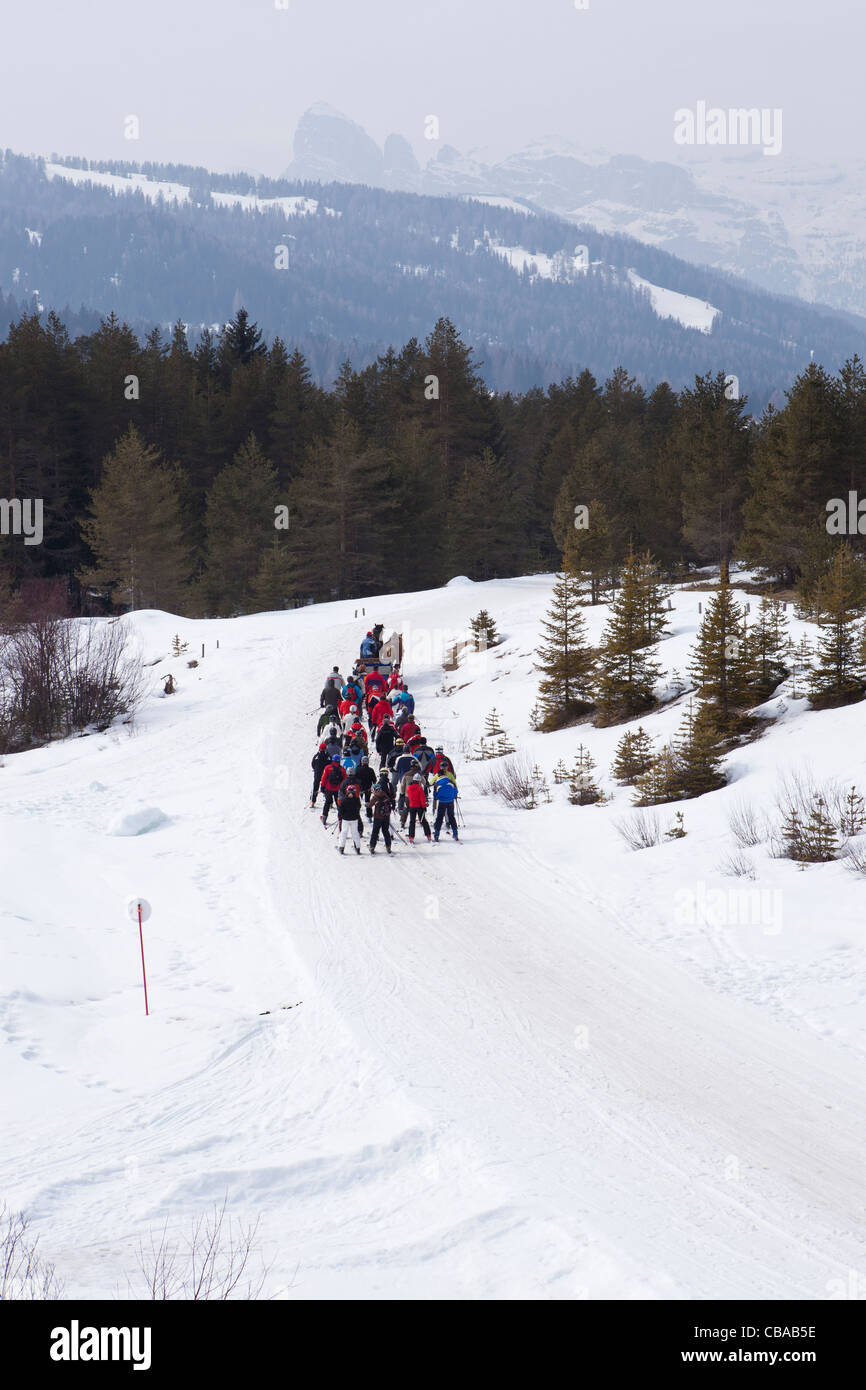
x=138 y=822
x=458 y=580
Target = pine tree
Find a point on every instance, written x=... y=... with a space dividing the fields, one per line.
x=839 y=674
x=560 y=773
x=240 y=342
x=720 y=661
x=135 y=529
x=793 y=473
x=566 y=660
x=653 y=598
x=710 y=429
x=481 y=523
x=626 y=671
x=662 y=780
x=343 y=516
x=853 y=815
x=298 y=414
x=583 y=790
x=800 y=657
x=540 y=787
x=699 y=761
x=587 y=550
x=241 y=508
x=632 y=757
x=492 y=726
x=820 y=843
x=793 y=840
x=677 y=828
x=458 y=418
x=767 y=643
x=484 y=632
x=272 y=587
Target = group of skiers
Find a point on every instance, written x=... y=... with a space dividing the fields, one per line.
x=410 y=773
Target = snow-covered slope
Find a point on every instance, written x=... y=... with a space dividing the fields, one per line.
x=670 y=304
x=793 y=227
x=522 y=1066
x=154 y=189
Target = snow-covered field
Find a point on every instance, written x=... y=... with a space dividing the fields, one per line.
x=526 y=1066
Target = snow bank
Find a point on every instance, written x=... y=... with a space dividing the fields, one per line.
x=138 y=822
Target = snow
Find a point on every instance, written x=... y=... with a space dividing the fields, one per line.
x=35 y=237
x=138 y=822
x=151 y=189
x=670 y=304
x=289 y=206
x=498 y=202
x=533 y=1065
x=520 y=259
x=179 y=193
x=537 y=262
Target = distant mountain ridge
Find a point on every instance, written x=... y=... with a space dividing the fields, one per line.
x=793 y=229
x=345 y=270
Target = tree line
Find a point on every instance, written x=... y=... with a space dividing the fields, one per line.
x=220 y=478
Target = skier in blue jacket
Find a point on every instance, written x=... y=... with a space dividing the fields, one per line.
x=402 y=697
x=445 y=794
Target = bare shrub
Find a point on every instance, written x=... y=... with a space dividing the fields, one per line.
x=514 y=781
x=24 y=1275
x=212 y=1263
x=816 y=819
x=737 y=865
x=748 y=826
x=853 y=856
x=59 y=677
x=640 y=830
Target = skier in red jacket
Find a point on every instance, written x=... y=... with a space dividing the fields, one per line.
x=374 y=684
x=332 y=779
x=378 y=714
x=441 y=763
x=416 y=795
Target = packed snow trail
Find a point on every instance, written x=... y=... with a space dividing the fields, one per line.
x=475 y=1080
x=619 y=1101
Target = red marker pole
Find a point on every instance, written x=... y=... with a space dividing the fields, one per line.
x=138 y=909
x=143 y=971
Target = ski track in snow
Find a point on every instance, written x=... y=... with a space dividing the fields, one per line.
x=502 y=1073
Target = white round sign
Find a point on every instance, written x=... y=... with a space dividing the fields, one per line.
x=132 y=908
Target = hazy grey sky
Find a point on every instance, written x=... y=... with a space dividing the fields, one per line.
x=223 y=82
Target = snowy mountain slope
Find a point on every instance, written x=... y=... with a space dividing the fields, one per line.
x=537 y=296
x=509 y=1068
x=791 y=226
x=668 y=304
